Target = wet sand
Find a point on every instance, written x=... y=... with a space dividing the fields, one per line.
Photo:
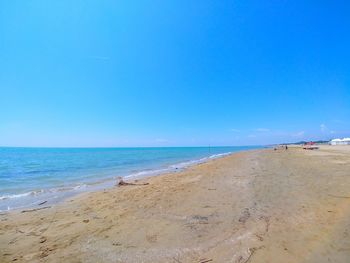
x=254 y=206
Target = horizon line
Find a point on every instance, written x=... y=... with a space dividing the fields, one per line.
x=111 y=147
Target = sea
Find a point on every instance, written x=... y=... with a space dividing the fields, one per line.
x=34 y=177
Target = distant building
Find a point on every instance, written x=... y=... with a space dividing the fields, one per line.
x=345 y=141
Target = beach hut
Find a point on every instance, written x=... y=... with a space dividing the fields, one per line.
x=335 y=141
x=345 y=141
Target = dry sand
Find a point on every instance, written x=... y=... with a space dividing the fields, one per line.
x=255 y=206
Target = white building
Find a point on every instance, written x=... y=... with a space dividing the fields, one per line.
x=345 y=141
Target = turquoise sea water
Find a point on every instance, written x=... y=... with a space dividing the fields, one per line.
x=29 y=176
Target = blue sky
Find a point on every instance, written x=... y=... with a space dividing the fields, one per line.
x=173 y=73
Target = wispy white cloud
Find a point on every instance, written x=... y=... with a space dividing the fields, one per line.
x=323 y=127
x=262 y=130
x=235 y=130
x=251 y=136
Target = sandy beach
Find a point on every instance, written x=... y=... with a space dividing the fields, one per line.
x=253 y=206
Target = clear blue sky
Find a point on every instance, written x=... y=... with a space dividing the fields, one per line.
x=169 y=73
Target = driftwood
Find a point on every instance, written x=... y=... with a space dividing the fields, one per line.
x=123 y=183
x=36 y=209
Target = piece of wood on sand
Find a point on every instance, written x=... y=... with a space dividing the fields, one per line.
x=121 y=182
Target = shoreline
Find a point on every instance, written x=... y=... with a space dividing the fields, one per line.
x=56 y=196
x=259 y=205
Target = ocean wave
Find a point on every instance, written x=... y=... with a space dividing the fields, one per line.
x=219 y=155
x=175 y=167
x=13 y=196
x=43 y=191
